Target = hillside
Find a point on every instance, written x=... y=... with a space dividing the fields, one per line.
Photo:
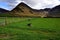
x=23 y=10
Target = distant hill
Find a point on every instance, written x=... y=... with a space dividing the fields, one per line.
x=2 y=10
x=55 y=12
x=3 y=13
x=23 y=10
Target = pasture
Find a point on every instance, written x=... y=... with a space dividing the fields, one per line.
x=15 y=28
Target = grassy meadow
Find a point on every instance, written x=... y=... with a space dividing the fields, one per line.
x=15 y=28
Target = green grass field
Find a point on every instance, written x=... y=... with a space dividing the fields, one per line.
x=41 y=29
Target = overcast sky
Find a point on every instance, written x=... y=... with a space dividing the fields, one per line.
x=35 y=4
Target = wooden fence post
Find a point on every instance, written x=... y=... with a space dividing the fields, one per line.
x=6 y=22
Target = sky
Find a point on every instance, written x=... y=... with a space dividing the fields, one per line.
x=34 y=4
